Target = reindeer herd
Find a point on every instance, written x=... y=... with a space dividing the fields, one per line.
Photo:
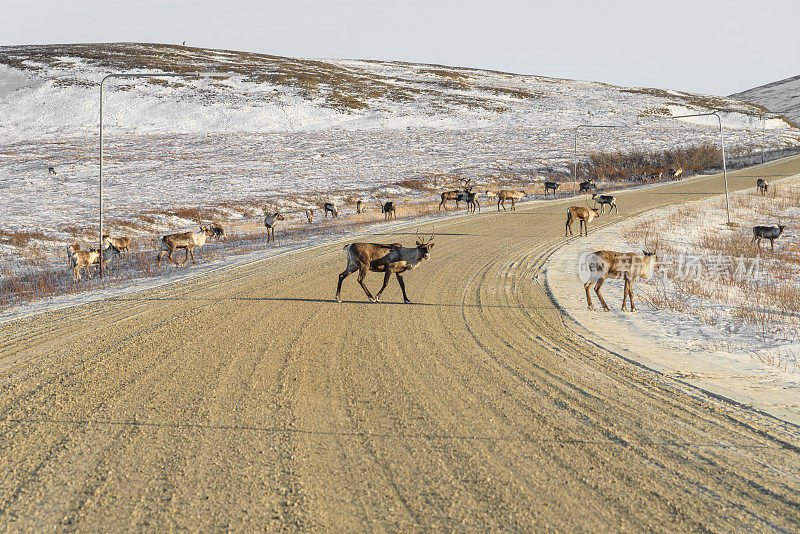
x=396 y=259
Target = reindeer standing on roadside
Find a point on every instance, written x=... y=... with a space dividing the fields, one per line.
x=762 y=186
x=471 y=198
x=767 y=232
x=219 y=231
x=550 y=186
x=628 y=266
x=388 y=259
x=388 y=209
x=491 y=194
x=456 y=194
x=71 y=250
x=118 y=246
x=605 y=200
x=310 y=215
x=586 y=187
x=676 y=174
x=359 y=207
x=509 y=194
x=584 y=216
x=327 y=208
x=84 y=259
x=188 y=241
x=270 y=221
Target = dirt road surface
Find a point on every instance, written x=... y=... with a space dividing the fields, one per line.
x=250 y=401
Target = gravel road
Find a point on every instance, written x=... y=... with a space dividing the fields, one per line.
x=248 y=400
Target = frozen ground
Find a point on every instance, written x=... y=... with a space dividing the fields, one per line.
x=708 y=343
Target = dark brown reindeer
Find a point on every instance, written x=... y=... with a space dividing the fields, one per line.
x=387 y=259
x=767 y=232
x=551 y=186
x=456 y=194
x=762 y=186
x=219 y=231
x=388 y=209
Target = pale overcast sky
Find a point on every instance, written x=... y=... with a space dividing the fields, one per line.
x=717 y=47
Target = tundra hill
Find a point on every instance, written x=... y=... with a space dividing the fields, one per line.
x=53 y=90
x=782 y=97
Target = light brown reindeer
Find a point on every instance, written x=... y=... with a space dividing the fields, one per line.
x=310 y=215
x=584 y=215
x=86 y=260
x=509 y=194
x=388 y=259
x=188 y=241
x=628 y=266
x=120 y=246
x=71 y=250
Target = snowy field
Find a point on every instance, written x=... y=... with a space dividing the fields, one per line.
x=727 y=322
x=288 y=134
x=155 y=184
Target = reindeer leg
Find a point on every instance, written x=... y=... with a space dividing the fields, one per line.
x=597 y=287
x=625 y=291
x=192 y=253
x=361 y=274
x=402 y=287
x=386 y=277
x=588 y=298
x=342 y=276
x=513 y=208
x=630 y=296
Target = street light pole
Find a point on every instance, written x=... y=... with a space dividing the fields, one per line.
x=575 y=150
x=102 y=83
x=722 y=145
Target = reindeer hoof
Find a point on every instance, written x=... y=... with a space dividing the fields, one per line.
x=406 y=301
x=337 y=299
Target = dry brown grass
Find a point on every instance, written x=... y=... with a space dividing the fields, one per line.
x=22 y=238
x=769 y=301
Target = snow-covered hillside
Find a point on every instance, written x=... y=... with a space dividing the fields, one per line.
x=258 y=129
x=53 y=90
x=781 y=97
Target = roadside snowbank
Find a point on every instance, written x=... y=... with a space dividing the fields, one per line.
x=727 y=359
